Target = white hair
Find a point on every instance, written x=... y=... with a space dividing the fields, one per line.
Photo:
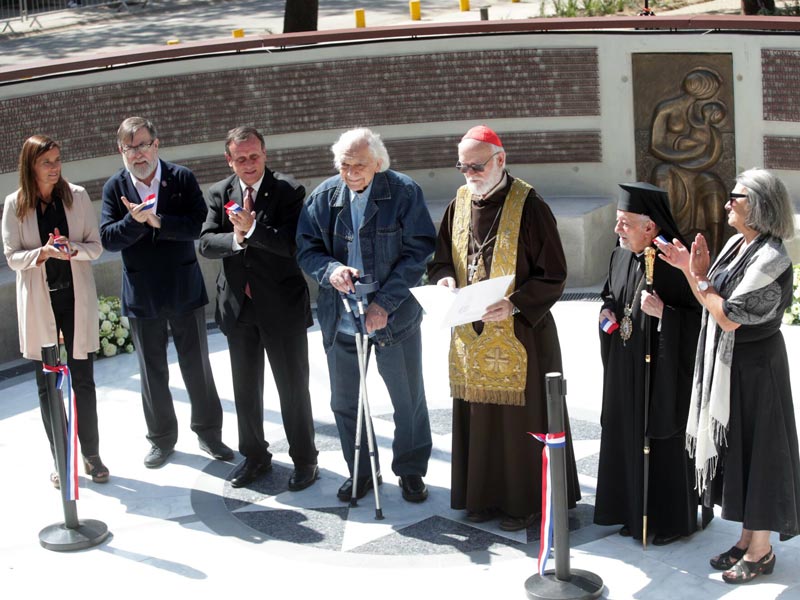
x=355 y=138
x=770 y=207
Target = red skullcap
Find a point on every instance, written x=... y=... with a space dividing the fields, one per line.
x=483 y=134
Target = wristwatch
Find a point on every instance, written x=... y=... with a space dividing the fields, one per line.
x=703 y=285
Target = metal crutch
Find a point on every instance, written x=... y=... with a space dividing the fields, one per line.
x=363 y=286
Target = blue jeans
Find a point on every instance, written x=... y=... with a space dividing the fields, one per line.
x=400 y=366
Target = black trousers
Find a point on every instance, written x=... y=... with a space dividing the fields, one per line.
x=288 y=358
x=191 y=343
x=82 y=372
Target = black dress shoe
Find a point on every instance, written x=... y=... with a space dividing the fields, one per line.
x=364 y=485
x=483 y=515
x=216 y=449
x=157 y=457
x=249 y=471
x=414 y=489
x=518 y=523
x=302 y=477
x=625 y=531
x=663 y=539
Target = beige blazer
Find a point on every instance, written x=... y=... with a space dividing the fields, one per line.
x=22 y=245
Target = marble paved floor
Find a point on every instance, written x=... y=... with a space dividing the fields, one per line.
x=183 y=529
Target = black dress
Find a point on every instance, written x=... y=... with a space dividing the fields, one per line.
x=758 y=479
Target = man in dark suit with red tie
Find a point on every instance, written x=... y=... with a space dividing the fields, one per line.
x=152 y=214
x=262 y=302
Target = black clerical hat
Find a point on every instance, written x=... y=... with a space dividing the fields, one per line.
x=647 y=199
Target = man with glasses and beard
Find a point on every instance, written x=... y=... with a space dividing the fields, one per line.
x=152 y=213
x=498 y=364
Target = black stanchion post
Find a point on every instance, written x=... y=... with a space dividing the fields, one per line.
x=72 y=534
x=485 y=13
x=58 y=421
x=563 y=583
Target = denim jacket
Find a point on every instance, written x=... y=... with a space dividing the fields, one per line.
x=397 y=239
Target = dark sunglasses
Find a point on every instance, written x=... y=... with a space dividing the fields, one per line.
x=735 y=197
x=478 y=168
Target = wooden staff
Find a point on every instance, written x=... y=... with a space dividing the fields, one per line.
x=649 y=263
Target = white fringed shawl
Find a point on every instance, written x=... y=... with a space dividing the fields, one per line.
x=752 y=297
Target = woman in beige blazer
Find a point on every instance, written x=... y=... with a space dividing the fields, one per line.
x=50 y=237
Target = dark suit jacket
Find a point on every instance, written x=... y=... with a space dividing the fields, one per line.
x=160 y=275
x=268 y=260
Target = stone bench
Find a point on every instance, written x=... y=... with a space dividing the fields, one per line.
x=585 y=224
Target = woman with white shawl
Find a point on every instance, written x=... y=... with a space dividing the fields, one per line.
x=741 y=427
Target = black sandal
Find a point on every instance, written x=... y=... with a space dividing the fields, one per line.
x=744 y=571
x=95 y=468
x=726 y=560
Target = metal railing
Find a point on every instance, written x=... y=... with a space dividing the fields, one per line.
x=27 y=12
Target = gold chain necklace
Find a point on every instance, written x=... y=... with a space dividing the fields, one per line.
x=626 y=325
x=474 y=267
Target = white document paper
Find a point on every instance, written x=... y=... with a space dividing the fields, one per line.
x=449 y=307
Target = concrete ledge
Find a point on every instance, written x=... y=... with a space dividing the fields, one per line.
x=585 y=223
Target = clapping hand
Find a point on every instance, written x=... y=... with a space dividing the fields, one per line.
x=57 y=247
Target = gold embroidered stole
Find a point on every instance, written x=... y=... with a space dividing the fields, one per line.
x=490 y=367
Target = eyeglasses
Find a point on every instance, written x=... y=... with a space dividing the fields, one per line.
x=735 y=197
x=478 y=168
x=131 y=150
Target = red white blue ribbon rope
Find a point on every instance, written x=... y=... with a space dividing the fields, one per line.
x=550 y=440
x=72 y=428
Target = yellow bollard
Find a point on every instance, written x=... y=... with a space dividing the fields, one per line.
x=173 y=42
x=238 y=33
x=514 y=1
x=361 y=19
x=415 y=10
x=463 y=5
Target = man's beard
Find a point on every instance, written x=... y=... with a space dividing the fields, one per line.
x=142 y=171
x=481 y=188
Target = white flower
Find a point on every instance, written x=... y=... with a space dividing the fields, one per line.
x=106 y=326
x=109 y=350
x=103 y=307
x=120 y=341
x=121 y=332
x=124 y=322
x=112 y=316
x=103 y=342
x=795 y=308
x=129 y=348
x=788 y=318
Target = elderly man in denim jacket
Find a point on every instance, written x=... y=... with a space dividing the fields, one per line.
x=370 y=220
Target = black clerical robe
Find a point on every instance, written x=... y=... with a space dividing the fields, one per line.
x=495 y=463
x=672 y=502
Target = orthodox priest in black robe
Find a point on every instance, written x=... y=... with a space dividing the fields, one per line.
x=498 y=225
x=673 y=315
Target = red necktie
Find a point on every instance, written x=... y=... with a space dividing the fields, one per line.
x=248 y=206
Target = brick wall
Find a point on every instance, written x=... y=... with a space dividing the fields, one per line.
x=335 y=94
x=780 y=72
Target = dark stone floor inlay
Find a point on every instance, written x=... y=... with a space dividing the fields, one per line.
x=324 y=525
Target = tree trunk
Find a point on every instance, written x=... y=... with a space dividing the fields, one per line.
x=300 y=15
x=749 y=7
